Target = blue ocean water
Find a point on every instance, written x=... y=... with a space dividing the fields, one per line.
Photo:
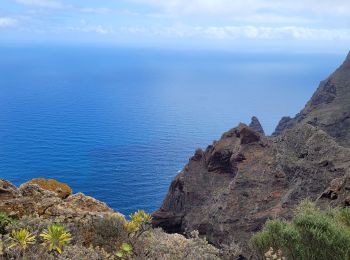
x=118 y=124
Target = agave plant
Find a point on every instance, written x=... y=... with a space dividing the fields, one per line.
x=56 y=237
x=21 y=238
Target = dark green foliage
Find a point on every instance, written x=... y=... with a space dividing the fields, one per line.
x=311 y=235
x=4 y=221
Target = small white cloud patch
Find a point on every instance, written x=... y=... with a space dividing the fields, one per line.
x=7 y=22
x=41 y=3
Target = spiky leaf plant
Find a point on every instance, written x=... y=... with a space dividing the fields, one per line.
x=21 y=239
x=56 y=237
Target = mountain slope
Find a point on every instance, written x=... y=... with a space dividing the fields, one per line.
x=329 y=107
x=228 y=191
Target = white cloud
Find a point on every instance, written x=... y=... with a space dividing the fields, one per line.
x=261 y=11
x=42 y=3
x=7 y=22
x=231 y=6
x=241 y=32
x=99 y=29
x=98 y=10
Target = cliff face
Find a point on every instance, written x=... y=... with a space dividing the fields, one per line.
x=329 y=107
x=228 y=191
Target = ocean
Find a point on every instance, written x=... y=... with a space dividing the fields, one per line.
x=118 y=124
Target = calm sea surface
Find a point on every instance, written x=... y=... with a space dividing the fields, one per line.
x=118 y=124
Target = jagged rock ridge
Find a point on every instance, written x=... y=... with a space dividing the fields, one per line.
x=228 y=191
x=329 y=107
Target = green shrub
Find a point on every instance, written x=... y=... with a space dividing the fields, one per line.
x=5 y=220
x=311 y=235
x=343 y=215
x=33 y=224
x=109 y=232
x=139 y=223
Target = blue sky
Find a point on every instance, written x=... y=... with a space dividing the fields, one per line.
x=314 y=25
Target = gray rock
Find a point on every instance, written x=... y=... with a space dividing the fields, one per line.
x=255 y=125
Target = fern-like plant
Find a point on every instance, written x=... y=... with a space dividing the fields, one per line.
x=21 y=239
x=56 y=237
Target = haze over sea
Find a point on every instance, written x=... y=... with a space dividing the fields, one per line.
x=118 y=124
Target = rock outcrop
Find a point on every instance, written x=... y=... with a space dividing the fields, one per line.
x=61 y=189
x=228 y=191
x=256 y=126
x=32 y=199
x=329 y=107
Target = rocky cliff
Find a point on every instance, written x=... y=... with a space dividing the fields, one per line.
x=329 y=107
x=228 y=191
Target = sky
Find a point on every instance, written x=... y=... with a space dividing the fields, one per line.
x=314 y=25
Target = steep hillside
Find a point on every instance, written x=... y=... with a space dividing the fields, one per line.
x=228 y=191
x=329 y=107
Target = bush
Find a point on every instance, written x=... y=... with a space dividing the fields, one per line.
x=156 y=244
x=109 y=232
x=311 y=235
x=33 y=224
x=5 y=220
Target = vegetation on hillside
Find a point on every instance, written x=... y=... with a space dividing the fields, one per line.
x=311 y=235
x=111 y=237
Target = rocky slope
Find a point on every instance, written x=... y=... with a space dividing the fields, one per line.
x=97 y=231
x=329 y=107
x=228 y=191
